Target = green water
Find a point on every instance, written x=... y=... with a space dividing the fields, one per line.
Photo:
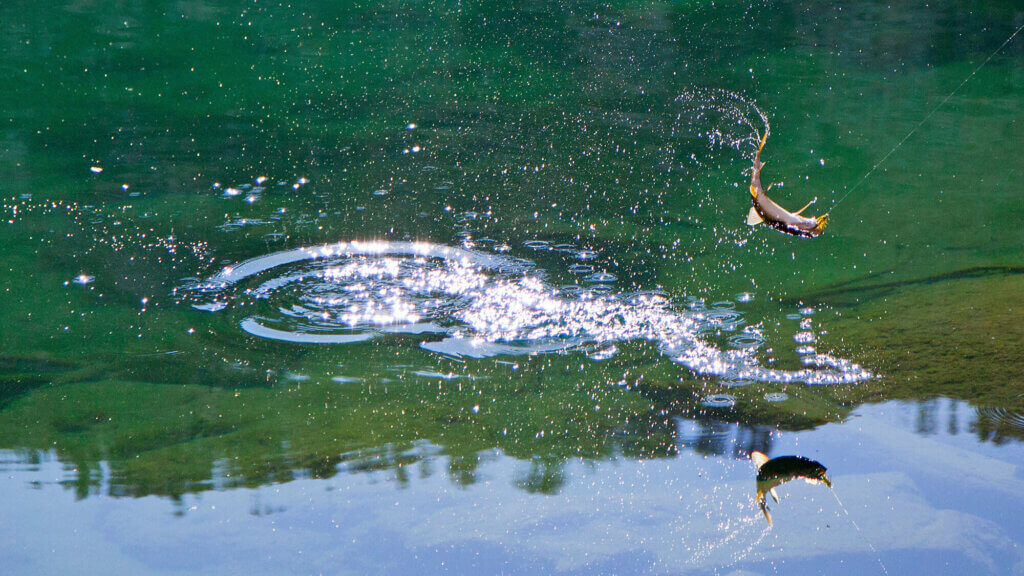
x=153 y=421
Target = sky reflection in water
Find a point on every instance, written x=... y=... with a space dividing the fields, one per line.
x=616 y=516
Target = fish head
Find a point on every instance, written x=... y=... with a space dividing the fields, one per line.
x=814 y=473
x=822 y=221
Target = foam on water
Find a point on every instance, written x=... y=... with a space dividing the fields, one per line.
x=471 y=303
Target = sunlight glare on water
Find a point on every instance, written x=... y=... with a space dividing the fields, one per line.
x=481 y=305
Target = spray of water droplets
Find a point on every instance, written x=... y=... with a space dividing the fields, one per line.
x=472 y=303
x=726 y=119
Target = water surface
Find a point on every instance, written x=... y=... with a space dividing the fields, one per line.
x=466 y=288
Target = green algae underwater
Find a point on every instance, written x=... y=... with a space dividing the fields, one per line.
x=455 y=287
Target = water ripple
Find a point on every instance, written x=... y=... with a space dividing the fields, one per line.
x=470 y=303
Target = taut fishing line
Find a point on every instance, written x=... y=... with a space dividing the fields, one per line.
x=926 y=118
x=860 y=532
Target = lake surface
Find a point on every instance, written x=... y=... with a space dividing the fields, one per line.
x=467 y=288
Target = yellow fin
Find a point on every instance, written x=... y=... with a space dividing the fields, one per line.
x=758 y=458
x=806 y=206
x=753 y=219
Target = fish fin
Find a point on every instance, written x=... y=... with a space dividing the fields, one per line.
x=753 y=219
x=753 y=191
x=767 y=514
x=822 y=221
x=759 y=460
x=763 y=140
x=775 y=495
x=808 y=205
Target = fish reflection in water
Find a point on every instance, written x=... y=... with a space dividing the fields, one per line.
x=781 y=469
x=474 y=303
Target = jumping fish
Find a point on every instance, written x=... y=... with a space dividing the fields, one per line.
x=782 y=469
x=766 y=210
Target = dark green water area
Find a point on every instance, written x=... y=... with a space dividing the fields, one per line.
x=466 y=287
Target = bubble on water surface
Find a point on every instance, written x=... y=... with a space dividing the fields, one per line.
x=776 y=396
x=581 y=269
x=736 y=382
x=603 y=353
x=804 y=337
x=433 y=374
x=719 y=401
x=239 y=223
x=746 y=340
x=463 y=302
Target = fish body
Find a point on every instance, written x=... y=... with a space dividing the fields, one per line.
x=776 y=471
x=766 y=210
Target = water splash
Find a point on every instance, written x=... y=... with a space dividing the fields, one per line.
x=465 y=302
x=726 y=119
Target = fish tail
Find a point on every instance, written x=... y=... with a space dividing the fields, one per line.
x=757 y=155
x=759 y=459
x=822 y=221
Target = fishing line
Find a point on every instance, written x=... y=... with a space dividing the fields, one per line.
x=859 y=531
x=926 y=118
